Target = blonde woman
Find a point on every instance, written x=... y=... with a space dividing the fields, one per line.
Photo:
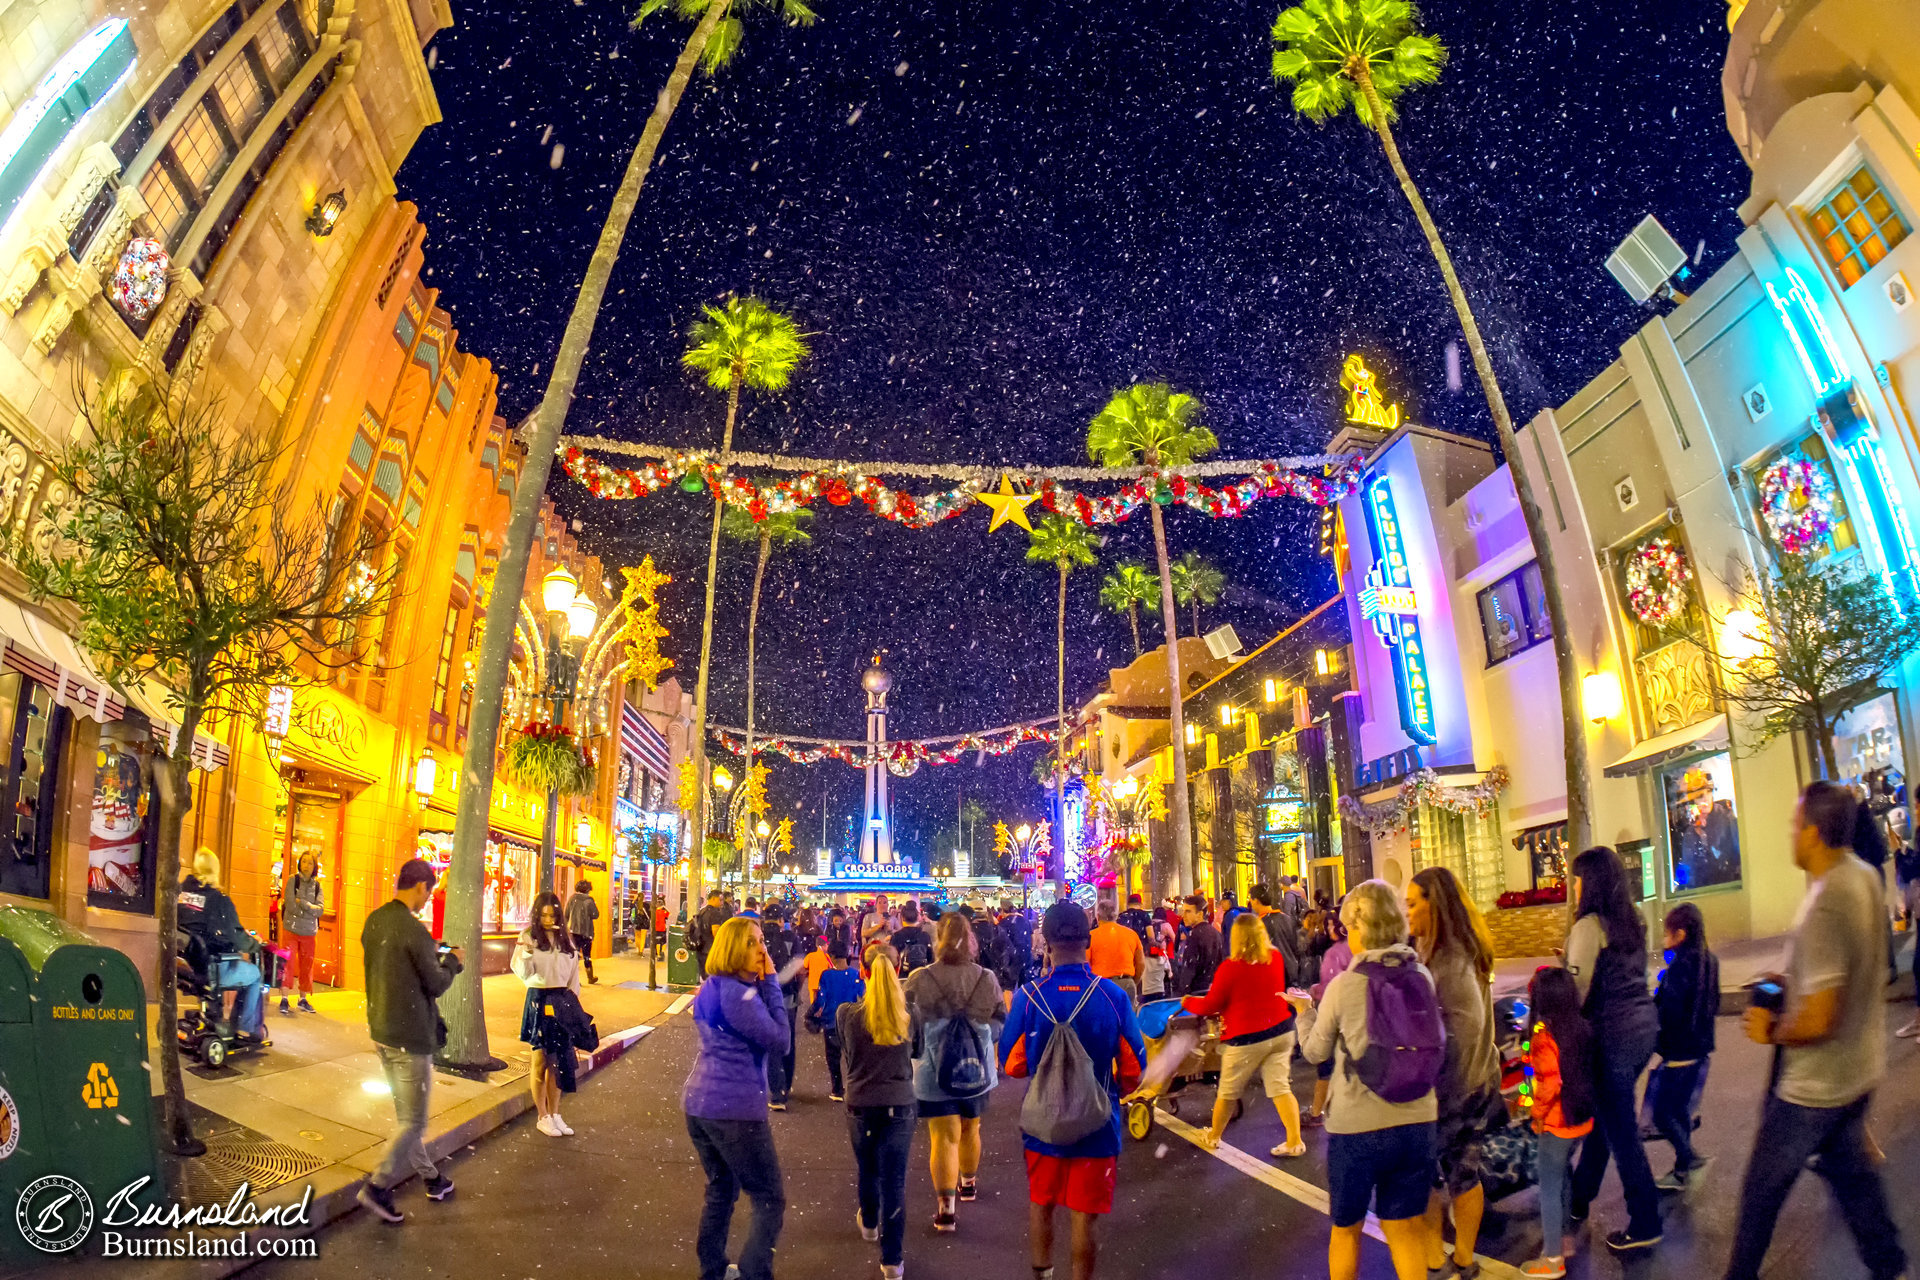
x=879 y=1040
x=1249 y=994
x=208 y=915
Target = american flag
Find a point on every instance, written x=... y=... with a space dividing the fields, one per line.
x=641 y=740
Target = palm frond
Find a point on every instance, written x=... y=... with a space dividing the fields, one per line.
x=744 y=339
x=1149 y=422
x=1063 y=543
x=1325 y=47
x=728 y=35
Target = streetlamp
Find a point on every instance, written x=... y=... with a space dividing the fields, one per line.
x=426 y=772
x=571 y=615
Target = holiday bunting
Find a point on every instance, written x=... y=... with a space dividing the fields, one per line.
x=904 y=755
x=1424 y=788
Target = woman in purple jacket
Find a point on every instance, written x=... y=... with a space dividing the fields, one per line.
x=742 y=1021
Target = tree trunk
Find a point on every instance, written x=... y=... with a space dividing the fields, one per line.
x=1572 y=719
x=697 y=851
x=462 y=1006
x=1133 y=619
x=1823 y=734
x=174 y=774
x=1185 y=873
x=753 y=629
x=1196 y=618
x=1060 y=747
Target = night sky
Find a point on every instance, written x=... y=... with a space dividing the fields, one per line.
x=991 y=215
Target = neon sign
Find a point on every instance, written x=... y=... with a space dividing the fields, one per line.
x=84 y=76
x=877 y=871
x=1821 y=360
x=1389 y=602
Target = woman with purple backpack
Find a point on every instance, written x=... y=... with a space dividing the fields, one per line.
x=1379 y=1023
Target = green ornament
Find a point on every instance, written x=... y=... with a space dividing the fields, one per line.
x=692 y=483
x=1162 y=495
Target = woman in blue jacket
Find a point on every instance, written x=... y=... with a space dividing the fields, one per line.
x=741 y=1019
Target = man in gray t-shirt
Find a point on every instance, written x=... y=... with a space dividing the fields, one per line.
x=1831 y=1047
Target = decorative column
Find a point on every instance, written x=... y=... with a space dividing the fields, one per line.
x=48 y=242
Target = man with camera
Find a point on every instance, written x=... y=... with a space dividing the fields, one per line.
x=1825 y=1019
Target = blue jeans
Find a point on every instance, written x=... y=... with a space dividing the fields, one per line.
x=882 y=1137
x=1556 y=1190
x=1790 y=1134
x=1671 y=1090
x=780 y=1066
x=410 y=1078
x=1616 y=1135
x=738 y=1156
x=236 y=973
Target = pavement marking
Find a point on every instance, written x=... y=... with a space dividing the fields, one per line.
x=679 y=1006
x=639 y=1032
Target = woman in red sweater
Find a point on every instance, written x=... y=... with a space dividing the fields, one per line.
x=1249 y=993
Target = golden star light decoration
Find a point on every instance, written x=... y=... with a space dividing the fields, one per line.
x=642 y=631
x=1008 y=505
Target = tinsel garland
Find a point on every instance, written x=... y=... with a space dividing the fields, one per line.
x=1424 y=788
x=1796 y=500
x=841 y=483
x=902 y=757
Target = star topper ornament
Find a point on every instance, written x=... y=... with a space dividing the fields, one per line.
x=1008 y=505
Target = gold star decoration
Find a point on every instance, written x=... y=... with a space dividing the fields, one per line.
x=1008 y=505
x=643 y=631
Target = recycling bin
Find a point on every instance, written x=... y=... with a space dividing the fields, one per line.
x=683 y=967
x=24 y=1152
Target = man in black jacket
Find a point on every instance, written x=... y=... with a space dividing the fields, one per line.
x=783 y=947
x=1201 y=949
x=406 y=974
x=706 y=924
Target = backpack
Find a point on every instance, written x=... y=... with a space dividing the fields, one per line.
x=1406 y=1041
x=697 y=932
x=965 y=1065
x=1065 y=1101
x=918 y=955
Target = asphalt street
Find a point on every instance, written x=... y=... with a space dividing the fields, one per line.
x=622 y=1196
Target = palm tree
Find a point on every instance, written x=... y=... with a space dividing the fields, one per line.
x=972 y=813
x=1124 y=590
x=1364 y=54
x=745 y=343
x=775 y=529
x=1196 y=582
x=1150 y=424
x=1066 y=545
x=715 y=39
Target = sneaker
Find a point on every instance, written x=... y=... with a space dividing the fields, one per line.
x=288 y=1009
x=379 y=1202
x=1624 y=1241
x=945 y=1223
x=1312 y=1121
x=969 y=1189
x=565 y=1129
x=1469 y=1272
x=545 y=1125
x=777 y=1106
x=895 y=1272
x=867 y=1233
x=305 y=1007
x=1675 y=1181
x=1286 y=1152
x=439 y=1187
x=1545 y=1268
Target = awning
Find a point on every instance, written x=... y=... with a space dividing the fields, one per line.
x=1708 y=735
x=208 y=753
x=38 y=649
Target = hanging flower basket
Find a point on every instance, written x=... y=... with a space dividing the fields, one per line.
x=139 y=283
x=1657 y=580
x=1796 y=499
x=545 y=757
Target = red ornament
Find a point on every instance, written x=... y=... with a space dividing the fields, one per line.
x=838 y=493
x=757 y=509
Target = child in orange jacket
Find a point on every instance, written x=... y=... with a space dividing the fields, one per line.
x=1558 y=1093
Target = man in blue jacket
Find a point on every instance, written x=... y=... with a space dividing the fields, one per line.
x=1079 y=1177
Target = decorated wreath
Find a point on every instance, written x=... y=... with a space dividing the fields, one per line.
x=1657 y=579
x=1796 y=500
x=545 y=757
x=139 y=283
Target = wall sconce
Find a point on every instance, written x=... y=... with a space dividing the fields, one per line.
x=1193 y=735
x=583 y=834
x=1601 y=697
x=426 y=772
x=1226 y=715
x=326 y=213
x=1744 y=636
x=1272 y=691
x=1323 y=662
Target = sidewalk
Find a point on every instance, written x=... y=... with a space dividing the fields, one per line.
x=1740 y=964
x=313 y=1110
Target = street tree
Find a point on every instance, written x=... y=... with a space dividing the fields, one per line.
x=1149 y=424
x=1066 y=545
x=776 y=529
x=1124 y=590
x=1196 y=582
x=192 y=572
x=743 y=343
x=1362 y=55
x=716 y=38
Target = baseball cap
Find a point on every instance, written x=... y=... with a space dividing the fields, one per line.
x=416 y=871
x=1065 y=923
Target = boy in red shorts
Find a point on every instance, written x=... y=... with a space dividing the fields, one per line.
x=1079 y=1177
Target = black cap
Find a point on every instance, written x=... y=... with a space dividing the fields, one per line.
x=1065 y=924
x=416 y=871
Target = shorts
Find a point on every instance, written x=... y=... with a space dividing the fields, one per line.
x=1273 y=1059
x=965 y=1108
x=1459 y=1152
x=1083 y=1184
x=1389 y=1169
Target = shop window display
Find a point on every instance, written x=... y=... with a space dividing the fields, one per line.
x=122 y=834
x=1866 y=743
x=36 y=729
x=1703 y=830
x=513 y=873
x=1513 y=614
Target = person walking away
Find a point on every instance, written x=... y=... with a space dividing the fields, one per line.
x=1249 y=995
x=1606 y=953
x=582 y=911
x=300 y=910
x=1379 y=1144
x=705 y=927
x=1116 y=954
x=1829 y=1047
x=1334 y=961
x=1016 y=931
x=1282 y=931
x=912 y=942
x=880 y=1038
x=545 y=958
x=1076 y=1174
x=818 y=962
x=208 y=914
x=1688 y=1000
x=1454 y=945
x=1559 y=1071
x=838 y=985
x=1293 y=900
x=1201 y=949
x=1156 y=974
x=957 y=1003
x=783 y=948
x=736 y=1014
x=1137 y=918
x=406 y=973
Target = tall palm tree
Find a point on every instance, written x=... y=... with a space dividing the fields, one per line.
x=775 y=529
x=1066 y=545
x=1364 y=54
x=972 y=813
x=1124 y=590
x=1150 y=424
x=716 y=37
x=744 y=343
x=1196 y=582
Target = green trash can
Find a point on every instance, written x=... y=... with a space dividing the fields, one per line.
x=88 y=1035
x=24 y=1151
x=683 y=967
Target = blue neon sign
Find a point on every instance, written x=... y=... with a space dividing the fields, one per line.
x=84 y=76
x=1819 y=359
x=1388 y=601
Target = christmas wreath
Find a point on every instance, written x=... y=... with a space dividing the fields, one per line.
x=545 y=757
x=1796 y=500
x=139 y=283
x=1657 y=578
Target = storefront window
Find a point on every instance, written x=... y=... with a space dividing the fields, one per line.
x=122 y=834
x=1513 y=614
x=513 y=873
x=1703 y=831
x=1866 y=745
x=36 y=729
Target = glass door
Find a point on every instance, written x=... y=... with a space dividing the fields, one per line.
x=313 y=828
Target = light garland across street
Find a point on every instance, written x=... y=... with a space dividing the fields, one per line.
x=905 y=754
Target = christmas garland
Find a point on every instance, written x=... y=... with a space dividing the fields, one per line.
x=1796 y=500
x=1657 y=578
x=1424 y=788
x=545 y=757
x=841 y=483
x=902 y=758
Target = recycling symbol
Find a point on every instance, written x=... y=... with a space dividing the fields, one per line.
x=100 y=1090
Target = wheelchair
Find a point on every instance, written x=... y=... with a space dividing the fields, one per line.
x=203 y=1033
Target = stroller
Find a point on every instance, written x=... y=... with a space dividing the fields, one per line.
x=1181 y=1048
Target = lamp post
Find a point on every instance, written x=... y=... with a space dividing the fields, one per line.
x=571 y=615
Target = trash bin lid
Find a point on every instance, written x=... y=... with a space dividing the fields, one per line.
x=39 y=933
